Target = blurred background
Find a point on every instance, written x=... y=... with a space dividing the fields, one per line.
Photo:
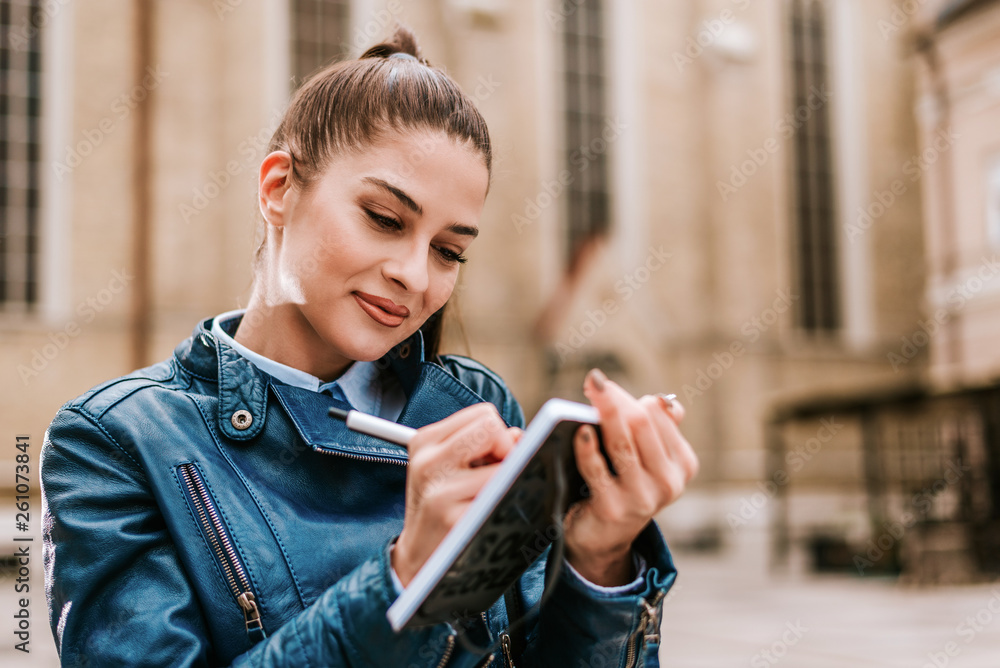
x=785 y=211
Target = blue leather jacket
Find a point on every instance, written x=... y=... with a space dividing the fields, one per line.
x=200 y=512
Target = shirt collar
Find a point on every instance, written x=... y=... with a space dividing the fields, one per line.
x=360 y=385
x=431 y=392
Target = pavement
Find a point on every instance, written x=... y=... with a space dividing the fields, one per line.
x=721 y=614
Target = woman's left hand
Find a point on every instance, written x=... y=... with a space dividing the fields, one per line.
x=653 y=463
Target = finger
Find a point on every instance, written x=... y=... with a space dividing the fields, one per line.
x=672 y=405
x=649 y=437
x=613 y=402
x=590 y=462
x=462 y=486
x=485 y=438
x=491 y=458
x=437 y=432
x=677 y=447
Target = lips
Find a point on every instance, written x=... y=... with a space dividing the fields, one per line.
x=381 y=310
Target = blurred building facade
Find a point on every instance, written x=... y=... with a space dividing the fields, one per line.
x=756 y=204
x=930 y=442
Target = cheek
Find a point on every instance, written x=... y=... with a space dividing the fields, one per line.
x=335 y=256
x=441 y=288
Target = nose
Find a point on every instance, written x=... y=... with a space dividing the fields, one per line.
x=407 y=266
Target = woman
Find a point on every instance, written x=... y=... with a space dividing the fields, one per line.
x=206 y=511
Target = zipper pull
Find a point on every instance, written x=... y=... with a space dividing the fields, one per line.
x=651 y=620
x=650 y=626
x=252 y=615
x=505 y=644
x=647 y=633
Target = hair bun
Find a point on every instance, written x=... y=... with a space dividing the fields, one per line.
x=402 y=42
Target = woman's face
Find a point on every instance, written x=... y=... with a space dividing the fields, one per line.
x=372 y=248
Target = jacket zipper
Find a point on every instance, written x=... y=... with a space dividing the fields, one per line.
x=224 y=549
x=451 y=648
x=447 y=651
x=649 y=619
x=505 y=645
x=365 y=458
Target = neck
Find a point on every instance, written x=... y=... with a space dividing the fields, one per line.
x=281 y=333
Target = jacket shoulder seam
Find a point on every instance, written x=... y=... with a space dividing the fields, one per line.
x=95 y=420
x=472 y=365
x=93 y=397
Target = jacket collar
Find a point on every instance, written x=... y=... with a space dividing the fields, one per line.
x=432 y=393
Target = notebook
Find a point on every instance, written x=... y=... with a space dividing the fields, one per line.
x=506 y=527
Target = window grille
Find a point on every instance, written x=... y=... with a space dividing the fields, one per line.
x=814 y=212
x=20 y=149
x=586 y=150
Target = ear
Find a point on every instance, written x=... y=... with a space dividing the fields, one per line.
x=274 y=187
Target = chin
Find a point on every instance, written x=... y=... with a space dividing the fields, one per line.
x=373 y=350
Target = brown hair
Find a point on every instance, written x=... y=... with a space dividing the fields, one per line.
x=351 y=104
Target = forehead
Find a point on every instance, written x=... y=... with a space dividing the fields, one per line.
x=416 y=148
x=431 y=167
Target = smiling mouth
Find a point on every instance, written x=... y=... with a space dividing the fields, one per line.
x=382 y=311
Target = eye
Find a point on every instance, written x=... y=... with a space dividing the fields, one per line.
x=450 y=256
x=386 y=222
x=391 y=224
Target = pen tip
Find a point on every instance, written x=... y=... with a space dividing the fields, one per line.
x=339 y=413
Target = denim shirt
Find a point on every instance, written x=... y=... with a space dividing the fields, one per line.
x=204 y=512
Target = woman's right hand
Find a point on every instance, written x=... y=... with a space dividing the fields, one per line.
x=450 y=461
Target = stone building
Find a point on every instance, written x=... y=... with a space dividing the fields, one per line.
x=931 y=439
x=733 y=200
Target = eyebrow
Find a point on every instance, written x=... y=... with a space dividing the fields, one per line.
x=403 y=198
x=468 y=230
x=407 y=201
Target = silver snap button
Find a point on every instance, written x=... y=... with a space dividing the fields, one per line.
x=241 y=419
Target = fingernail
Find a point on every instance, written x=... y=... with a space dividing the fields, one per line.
x=585 y=435
x=667 y=400
x=598 y=378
